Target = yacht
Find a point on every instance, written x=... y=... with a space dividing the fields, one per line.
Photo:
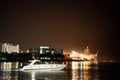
x=42 y=65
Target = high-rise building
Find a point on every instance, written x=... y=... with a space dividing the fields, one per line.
x=10 y=48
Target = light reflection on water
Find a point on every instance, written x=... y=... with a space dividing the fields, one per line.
x=51 y=75
x=74 y=71
x=84 y=71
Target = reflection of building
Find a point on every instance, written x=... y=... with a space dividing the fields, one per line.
x=7 y=71
x=10 y=48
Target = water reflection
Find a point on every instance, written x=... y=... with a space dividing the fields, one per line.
x=9 y=65
x=51 y=75
x=9 y=71
x=83 y=70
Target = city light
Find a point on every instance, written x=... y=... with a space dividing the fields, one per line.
x=81 y=56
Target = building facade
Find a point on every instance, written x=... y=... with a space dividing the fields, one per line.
x=45 y=49
x=0 y=47
x=10 y=48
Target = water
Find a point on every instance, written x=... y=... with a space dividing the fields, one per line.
x=74 y=71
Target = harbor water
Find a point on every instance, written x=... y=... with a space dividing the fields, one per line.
x=75 y=70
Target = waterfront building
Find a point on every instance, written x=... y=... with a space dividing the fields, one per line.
x=45 y=49
x=86 y=51
x=41 y=50
x=9 y=48
x=45 y=52
x=34 y=50
x=75 y=55
x=0 y=47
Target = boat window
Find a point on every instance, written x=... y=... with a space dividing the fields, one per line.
x=38 y=62
x=43 y=62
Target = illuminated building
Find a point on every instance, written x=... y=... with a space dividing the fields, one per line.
x=76 y=56
x=10 y=48
x=86 y=51
x=41 y=50
x=45 y=49
x=86 y=55
x=0 y=47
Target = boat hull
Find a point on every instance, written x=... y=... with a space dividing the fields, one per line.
x=47 y=67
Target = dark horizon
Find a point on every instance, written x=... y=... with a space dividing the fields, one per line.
x=71 y=25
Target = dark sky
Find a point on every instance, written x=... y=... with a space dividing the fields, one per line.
x=71 y=25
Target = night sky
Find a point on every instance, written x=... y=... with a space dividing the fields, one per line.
x=71 y=25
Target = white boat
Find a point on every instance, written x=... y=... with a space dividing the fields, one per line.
x=42 y=65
